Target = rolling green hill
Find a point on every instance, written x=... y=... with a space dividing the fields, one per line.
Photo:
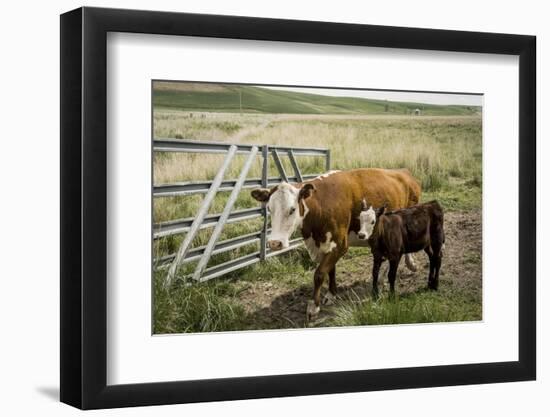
x=230 y=98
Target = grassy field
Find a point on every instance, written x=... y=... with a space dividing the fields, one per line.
x=250 y=99
x=443 y=151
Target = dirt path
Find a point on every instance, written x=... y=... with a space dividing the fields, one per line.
x=279 y=305
x=243 y=133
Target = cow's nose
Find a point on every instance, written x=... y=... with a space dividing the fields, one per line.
x=275 y=244
x=362 y=235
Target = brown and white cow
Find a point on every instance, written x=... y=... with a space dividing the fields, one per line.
x=392 y=234
x=326 y=210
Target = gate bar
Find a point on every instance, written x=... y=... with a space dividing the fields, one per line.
x=222 y=246
x=279 y=165
x=265 y=181
x=246 y=260
x=201 y=187
x=225 y=214
x=192 y=146
x=203 y=211
x=327 y=160
x=179 y=226
x=295 y=166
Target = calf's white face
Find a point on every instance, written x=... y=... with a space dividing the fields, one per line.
x=367 y=219
x=283 y=203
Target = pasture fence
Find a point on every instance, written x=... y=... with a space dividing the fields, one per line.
x=203 y=219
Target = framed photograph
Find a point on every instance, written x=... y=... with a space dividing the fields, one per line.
x=259 y=208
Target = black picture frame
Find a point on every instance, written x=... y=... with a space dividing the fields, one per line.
x=84 y=207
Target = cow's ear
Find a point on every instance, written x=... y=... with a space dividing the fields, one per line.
x=261 y=194
x=381 y=210
x=306 y=191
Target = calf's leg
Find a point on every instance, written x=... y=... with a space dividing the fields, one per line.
x=435 y=260
x=431 y=273
x=375 y=271
x=392 y=274
x=433 y=283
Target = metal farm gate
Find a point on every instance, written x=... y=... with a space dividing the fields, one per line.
x=202 y=220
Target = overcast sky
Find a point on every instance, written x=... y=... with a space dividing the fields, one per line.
x=428 y=98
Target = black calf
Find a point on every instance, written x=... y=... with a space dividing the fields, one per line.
x=405 y=231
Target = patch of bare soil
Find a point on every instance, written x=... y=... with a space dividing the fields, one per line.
x=276 y=305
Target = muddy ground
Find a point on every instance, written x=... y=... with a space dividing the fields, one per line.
x=272 y=304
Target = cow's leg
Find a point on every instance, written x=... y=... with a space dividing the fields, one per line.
x=314 y=306
x=433 y=282
x=409 y=262
x=327 y=264
x=392 y=274
x=375 y=271
x=331 y=293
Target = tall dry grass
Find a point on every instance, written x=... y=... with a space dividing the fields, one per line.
x=431 y=147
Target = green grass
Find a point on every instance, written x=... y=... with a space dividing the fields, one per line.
x=233 y=98
x=214 y=306
x=420 y=307
x=199 y=308
x=456 y=196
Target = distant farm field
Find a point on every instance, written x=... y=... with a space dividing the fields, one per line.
x=444 y=152
x=227 y=98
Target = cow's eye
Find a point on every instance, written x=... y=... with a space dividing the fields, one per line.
x=291 y=211
x=372 y=222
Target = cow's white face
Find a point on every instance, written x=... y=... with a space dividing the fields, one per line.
x=285 y=216
x=283 y=203
x=367 y=220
